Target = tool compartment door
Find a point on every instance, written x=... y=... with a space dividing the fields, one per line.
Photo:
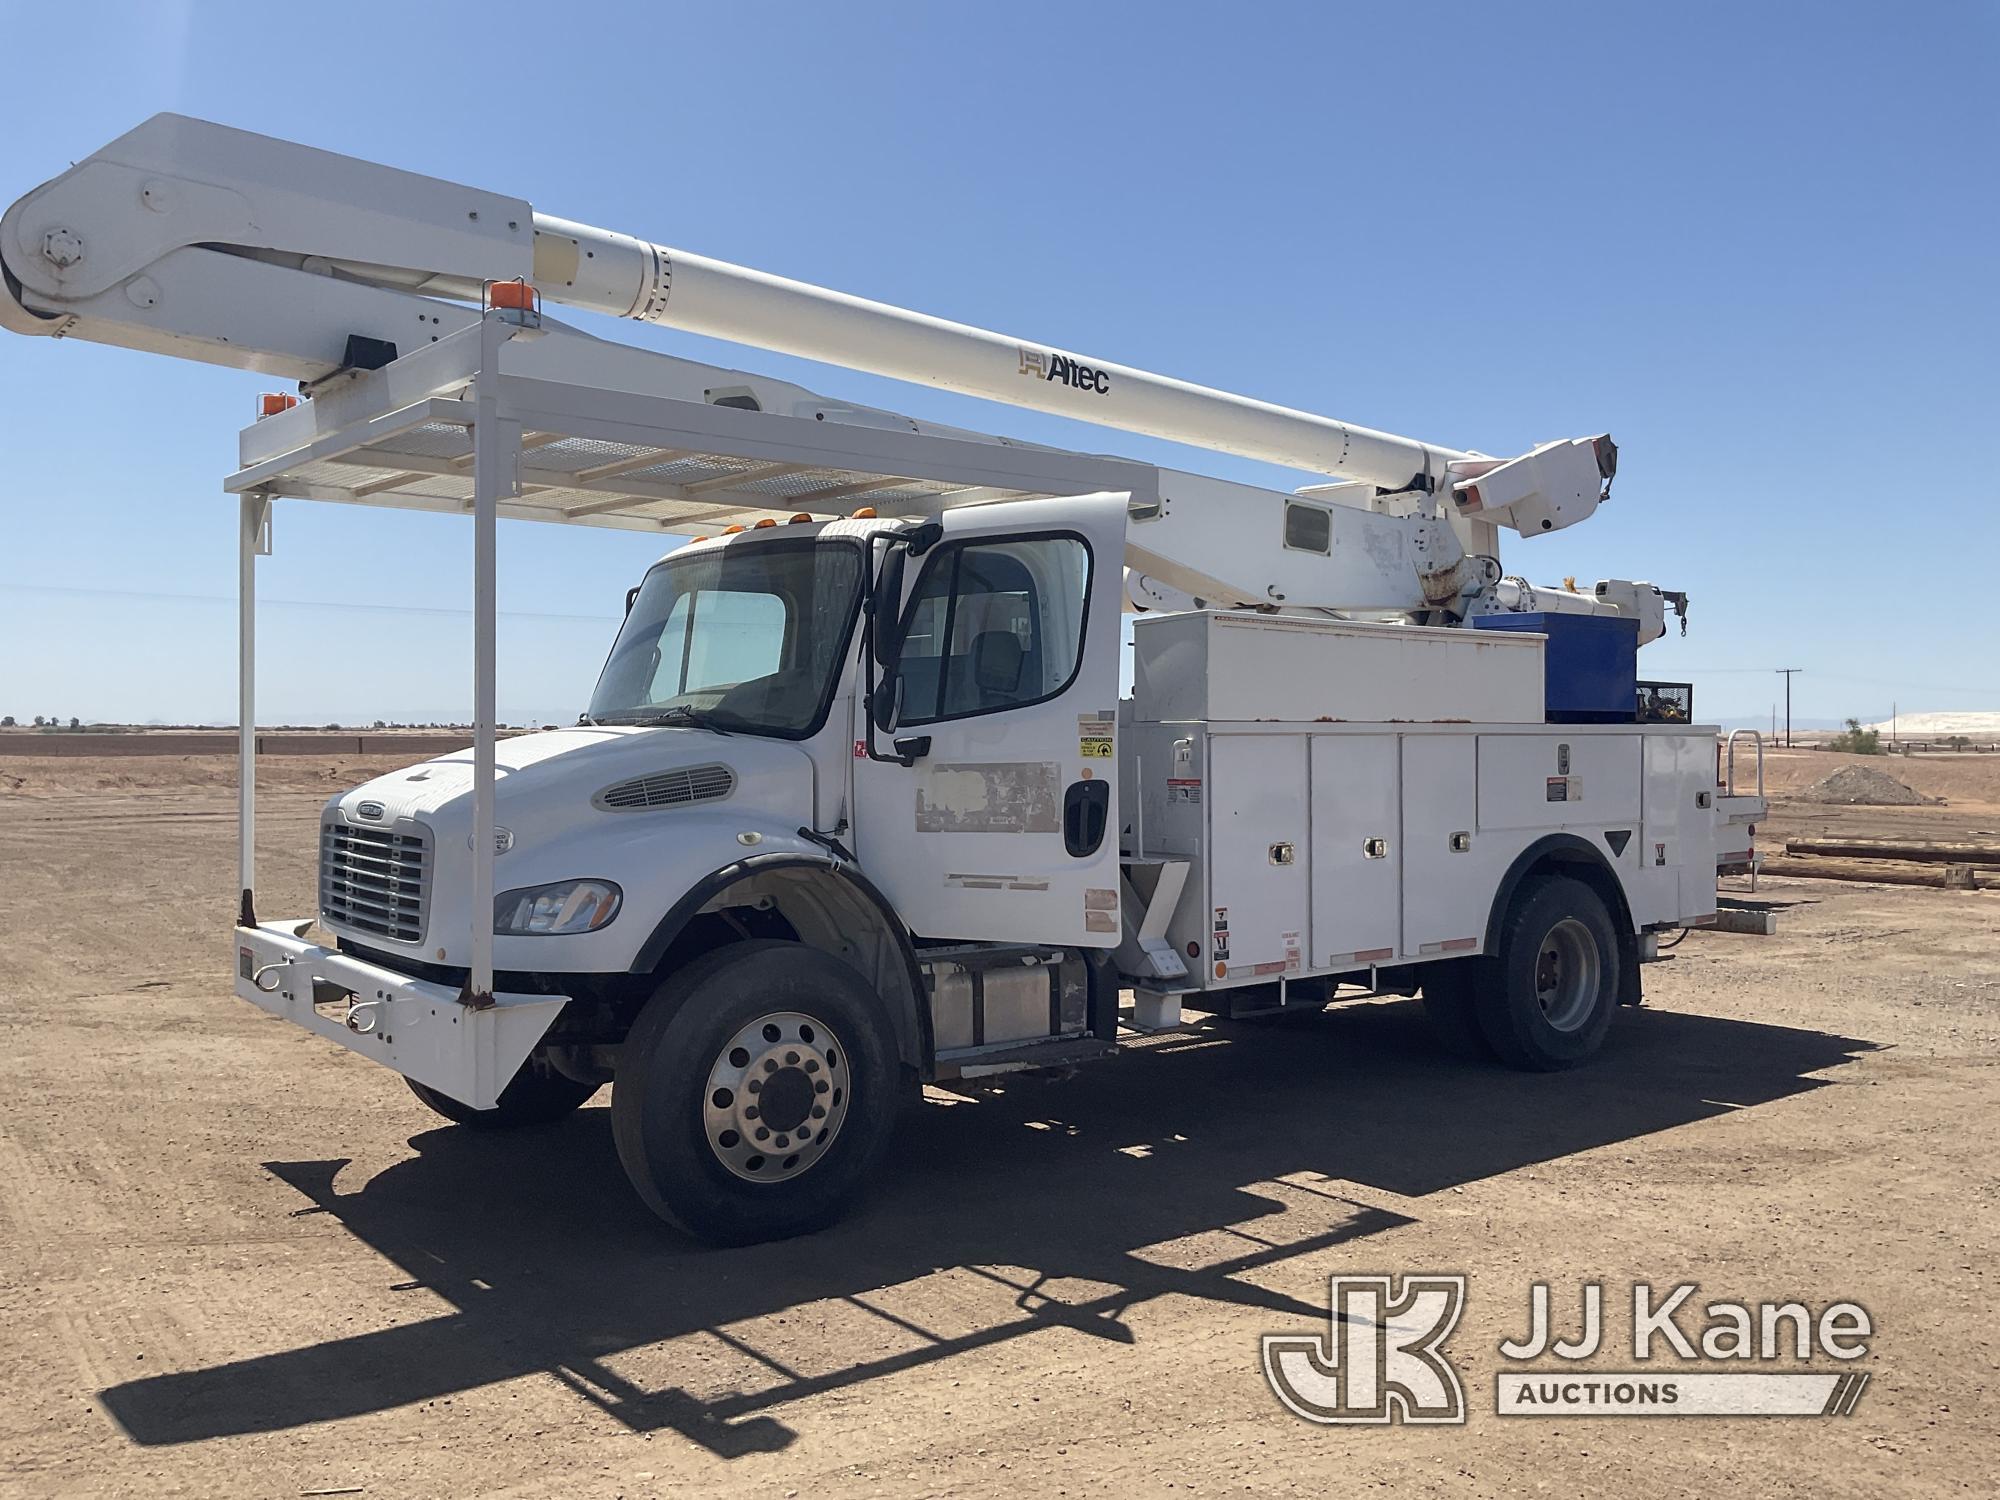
x=1006 y=829
x=1677 y=835
x=1356 y=849
x=1259 y=855
x=1447 y=883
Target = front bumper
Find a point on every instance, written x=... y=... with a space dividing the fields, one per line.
x=421 y=1029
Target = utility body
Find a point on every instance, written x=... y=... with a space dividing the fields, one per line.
x=857 y=803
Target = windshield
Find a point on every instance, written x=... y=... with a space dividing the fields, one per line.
x=738 y=638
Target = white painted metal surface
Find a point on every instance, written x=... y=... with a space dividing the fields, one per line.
x=1214 y=543
x=1400 y=834
x=1450 y=870
x=1356 y=849
x=968 y=843
x=420 y=1029
x=656 y=284
x=1683 y=821
x=253 y=519
x=624 y=438
x=1258 y=853
x=1152 y=892
x=545 y=798
x=1558 y=780
x=1222 y=667
x=496 y=449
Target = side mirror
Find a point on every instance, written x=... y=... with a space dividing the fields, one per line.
x=631 y=598
x=885 y=705
x=886 y=619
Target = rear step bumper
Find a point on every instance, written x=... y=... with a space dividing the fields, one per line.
x=420 y=1029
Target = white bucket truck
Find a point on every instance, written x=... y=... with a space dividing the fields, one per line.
x=856 y=803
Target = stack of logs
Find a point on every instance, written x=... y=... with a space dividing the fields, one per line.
x=1951 y=865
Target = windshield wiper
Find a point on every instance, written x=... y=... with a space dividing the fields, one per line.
x=679 y=713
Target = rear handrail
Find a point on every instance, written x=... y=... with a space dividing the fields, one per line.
x=1729 y=761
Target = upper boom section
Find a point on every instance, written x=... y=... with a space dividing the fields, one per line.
x=207 y=242
x=657 y=284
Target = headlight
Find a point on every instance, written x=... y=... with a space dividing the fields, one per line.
x=565 y=907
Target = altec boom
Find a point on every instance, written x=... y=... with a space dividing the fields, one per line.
x=132 y=246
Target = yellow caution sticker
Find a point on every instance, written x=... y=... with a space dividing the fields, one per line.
x=1095 y=736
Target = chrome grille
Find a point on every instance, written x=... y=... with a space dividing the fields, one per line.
x=668 y=788
x=374 y=879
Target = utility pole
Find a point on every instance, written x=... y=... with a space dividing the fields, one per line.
x=1786 y=673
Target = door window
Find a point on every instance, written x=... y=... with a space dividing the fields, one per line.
x=994 y=625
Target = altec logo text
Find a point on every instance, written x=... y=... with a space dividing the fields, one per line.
x=1048 y=365
x=1382 y=1359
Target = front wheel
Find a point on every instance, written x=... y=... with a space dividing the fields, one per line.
x=1548 y=1001
x=754 y=1093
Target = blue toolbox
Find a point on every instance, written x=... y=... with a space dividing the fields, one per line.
x=1591 y=667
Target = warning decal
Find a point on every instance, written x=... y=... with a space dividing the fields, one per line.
x=1094 y=736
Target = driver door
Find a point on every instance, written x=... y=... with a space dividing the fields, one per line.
x=1005 y=828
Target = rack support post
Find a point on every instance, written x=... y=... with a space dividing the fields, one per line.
x=496 y=459
x=253 y=537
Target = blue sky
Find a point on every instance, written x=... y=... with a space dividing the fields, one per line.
x=1754 y=242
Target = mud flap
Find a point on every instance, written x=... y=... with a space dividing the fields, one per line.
x=1629 y=984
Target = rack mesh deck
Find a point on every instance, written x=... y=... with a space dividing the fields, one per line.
x=402 y=438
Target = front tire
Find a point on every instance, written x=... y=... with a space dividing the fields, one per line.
x=1554 y=982
x=754 y=1093
x=535 y=1097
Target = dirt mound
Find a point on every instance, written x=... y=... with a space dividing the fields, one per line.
x=1863 y=786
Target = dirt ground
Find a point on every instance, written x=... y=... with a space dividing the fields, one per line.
x=235 y=1261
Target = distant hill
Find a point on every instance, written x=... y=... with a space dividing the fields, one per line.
x=1981 y=722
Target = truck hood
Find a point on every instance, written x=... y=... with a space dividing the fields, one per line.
x=549 y=797
x=549 y=780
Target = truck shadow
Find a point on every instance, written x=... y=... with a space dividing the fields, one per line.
x=1183 y=1167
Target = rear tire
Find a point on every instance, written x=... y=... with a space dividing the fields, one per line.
x=1548 y=1001
x=535 y=1097
x=755 y=1092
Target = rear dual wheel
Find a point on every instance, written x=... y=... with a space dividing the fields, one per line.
x=1544 y=1000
